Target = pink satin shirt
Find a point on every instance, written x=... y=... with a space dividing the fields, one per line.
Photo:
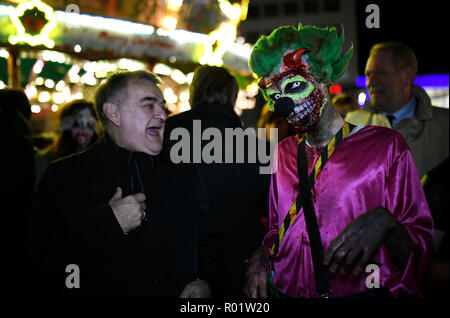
x=372 y=167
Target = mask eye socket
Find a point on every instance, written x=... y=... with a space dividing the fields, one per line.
x=275 y=96
x=295 y=87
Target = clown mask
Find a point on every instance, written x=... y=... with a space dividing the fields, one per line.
x=295 y=68
x=300 y=99
x=295 y=93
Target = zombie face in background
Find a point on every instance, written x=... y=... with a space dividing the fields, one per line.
x=83 y=128
x=79 y=122
x=295 y=67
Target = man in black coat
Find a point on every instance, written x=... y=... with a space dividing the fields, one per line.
x=16 y=187
x=114 y=221
x=236 y=191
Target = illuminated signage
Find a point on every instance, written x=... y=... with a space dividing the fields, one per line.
x=33 y=20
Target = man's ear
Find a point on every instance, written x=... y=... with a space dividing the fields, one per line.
x=112 y=113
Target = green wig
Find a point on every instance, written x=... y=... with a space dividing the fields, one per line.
x=322 y=45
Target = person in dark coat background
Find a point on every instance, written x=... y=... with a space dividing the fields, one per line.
x=106 y=223
x=235 y=191
x=16 y=187
x=437 y=187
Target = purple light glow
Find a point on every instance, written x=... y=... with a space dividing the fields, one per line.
x=435 y=81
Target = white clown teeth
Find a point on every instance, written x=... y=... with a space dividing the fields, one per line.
x=304 y=109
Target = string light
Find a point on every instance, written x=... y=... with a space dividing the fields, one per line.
x=169 y=23
x=174 y=5
x=58 y=97
x=39 y=81
x=31 y=91
x=4 y=53
x=60 y=85
x=170 y=96
x=36 y=109
x=178 y=76
x=49 y=83
x=233 y=12
x=44 y=97
x=38 y=66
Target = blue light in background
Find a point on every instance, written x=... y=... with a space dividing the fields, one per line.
x=435 y=81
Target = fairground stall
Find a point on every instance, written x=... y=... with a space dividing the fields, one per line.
x=61 y=50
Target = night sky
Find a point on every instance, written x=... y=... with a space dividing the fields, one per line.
x=423 y=25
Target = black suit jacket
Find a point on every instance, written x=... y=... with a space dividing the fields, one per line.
x=74 y=224
x=236 y=192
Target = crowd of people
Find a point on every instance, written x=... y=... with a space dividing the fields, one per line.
x=104 y=212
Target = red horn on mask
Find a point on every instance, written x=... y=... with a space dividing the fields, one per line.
x=293 y=60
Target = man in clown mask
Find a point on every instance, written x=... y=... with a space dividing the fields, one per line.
x=343 y=197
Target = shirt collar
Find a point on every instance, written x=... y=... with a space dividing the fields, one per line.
x=407 y=111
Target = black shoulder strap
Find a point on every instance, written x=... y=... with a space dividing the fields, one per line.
x=315 y=241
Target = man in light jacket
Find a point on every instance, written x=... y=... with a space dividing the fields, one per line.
x=390 y=72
